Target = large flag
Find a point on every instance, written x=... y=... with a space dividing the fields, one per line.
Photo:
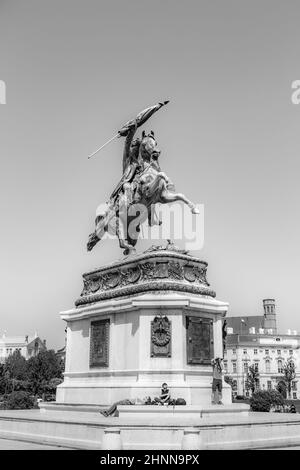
x=141 y=118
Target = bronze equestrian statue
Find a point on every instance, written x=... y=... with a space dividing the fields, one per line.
x=142 y=185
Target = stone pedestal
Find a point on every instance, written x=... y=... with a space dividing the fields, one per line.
x=146 y=320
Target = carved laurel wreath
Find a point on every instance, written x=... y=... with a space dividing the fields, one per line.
x=161 y=334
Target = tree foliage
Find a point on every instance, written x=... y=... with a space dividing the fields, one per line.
x=19 y=401
x=42 y=368
x=289 y=374
x=40 y=375
x=229 y=380
x=15 y=366
x=262 y=400
x=252 y=380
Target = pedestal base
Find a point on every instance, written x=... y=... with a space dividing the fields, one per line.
x=139 y=323
x=100 y=393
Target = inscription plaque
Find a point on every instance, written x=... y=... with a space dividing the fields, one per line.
x=99 y=343
x=200 y=344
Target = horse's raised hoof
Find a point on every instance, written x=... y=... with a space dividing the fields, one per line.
x=129 y=251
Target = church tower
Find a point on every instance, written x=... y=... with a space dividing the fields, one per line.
x=270 y=315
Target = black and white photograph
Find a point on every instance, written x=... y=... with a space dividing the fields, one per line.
x=150 y=230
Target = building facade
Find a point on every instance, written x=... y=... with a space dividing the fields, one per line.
x=28 y=346
x=254 y=340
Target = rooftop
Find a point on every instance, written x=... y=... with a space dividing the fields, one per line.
x=24 y=339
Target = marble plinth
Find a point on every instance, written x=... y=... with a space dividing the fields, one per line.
x=149 y=319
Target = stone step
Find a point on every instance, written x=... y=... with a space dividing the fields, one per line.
x=86 y=430
x=56 y=406
x=184 y=411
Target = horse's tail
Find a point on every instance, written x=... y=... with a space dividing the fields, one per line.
x=92 y=241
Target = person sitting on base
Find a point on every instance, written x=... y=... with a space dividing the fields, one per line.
x=165 y=397
x=216 y=398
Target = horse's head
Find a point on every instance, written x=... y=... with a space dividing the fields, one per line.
x=149 y=150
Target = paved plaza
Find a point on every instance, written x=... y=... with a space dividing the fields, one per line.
x=7 y=444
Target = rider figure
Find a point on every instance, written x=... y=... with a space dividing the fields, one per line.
x=130 y=166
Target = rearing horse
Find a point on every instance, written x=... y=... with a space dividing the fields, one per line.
x=137 y=198
x=155 y=186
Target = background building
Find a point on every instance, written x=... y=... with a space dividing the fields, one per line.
x=61 y=353
x=254 y=340
x=28 y=346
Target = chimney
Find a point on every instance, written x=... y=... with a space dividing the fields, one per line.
x=270 y=315
x=26 y=339
x=44 y=342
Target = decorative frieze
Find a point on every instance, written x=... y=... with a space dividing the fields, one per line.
x=151 y=271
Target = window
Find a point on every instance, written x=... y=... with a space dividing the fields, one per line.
x=294 y=385
x=233 y=351
x=267 y=352
x=279 y=352
x=255 y=351
x=246 y=367
x=268 y=366
x=295 y=395
x=280 y=368
x=244 y=351
x=291 y=352
x=269 y=385
x=226 y=366
x=234 y=385
x=234 y=367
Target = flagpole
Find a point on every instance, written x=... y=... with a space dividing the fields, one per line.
x=104 y=145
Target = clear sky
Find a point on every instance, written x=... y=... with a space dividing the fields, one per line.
x=75 y=71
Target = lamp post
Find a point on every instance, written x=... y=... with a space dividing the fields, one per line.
x=243 y=364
